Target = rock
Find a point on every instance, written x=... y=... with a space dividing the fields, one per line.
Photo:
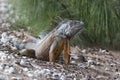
x=9 y=70
x=82 y=58
x=78 y=58
x=25 y=69
x=90 y=62
x=84 y=51
x=116 y=76
x=72 y=61
x=3 y=77
x=2 y=66
x=4 y=37
x=2 y=53
x=107 y=69
x=98 y=63
x=30 y=74
x=4 y=57
x=13 y=48
x=10 y=57
x=103 y=51
x=16 y=78
x=22 y=62
x=74 y=56
x=112 y=64
x=84 y=66
x=102 y=78
x=37 y=73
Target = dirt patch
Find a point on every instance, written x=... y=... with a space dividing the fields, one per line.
x=86 y=64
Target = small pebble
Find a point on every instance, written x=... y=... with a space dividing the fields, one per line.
x=16 y=78
x=90 y=62
x=22 y=62
x=9 y=70
x=83 y=51
x=107 y=69
x=4 y=57
x=30 y=74
x=25 y=69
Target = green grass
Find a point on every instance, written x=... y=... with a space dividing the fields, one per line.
x=101 y=18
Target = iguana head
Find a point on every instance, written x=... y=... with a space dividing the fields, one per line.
x=69 y=28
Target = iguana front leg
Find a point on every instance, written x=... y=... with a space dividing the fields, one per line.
x=56 y=48
x=59 y=44
x=66 y=51
x=52 y=52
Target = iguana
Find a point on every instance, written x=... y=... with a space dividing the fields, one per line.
x=57 y=41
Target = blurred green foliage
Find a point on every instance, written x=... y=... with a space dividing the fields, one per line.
x=101 y=18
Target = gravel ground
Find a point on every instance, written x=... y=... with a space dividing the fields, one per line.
x=86 y=64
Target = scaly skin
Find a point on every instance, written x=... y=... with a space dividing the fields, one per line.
x=58 y=41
